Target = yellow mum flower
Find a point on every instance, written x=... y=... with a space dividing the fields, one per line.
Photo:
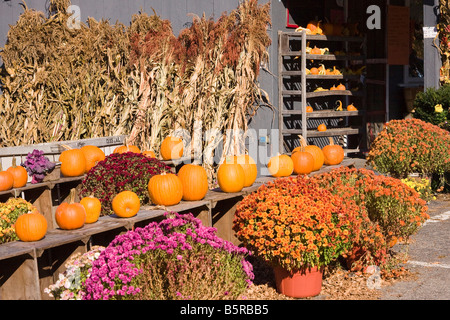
x=438 y=108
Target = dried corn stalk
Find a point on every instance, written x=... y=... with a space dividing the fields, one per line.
x=60 y=83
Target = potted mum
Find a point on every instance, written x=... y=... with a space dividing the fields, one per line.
x=298 y=228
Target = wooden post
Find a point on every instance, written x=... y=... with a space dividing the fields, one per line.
x=432 y=58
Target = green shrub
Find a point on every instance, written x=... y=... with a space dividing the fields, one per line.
x=427 y=106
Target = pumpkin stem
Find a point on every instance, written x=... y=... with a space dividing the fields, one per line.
x=303 y=142
x=14 y=162
x=331 y=141
x=72 y=195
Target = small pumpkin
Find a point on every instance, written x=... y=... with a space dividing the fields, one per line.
x=309 y=109
x=126 y=204
x=250 y=169
x=93 y=207
x=333 y=88
x=303 y=161
x=314 y=27
x=351 y=107
x=70 y=215
x=165 y=189
x=322 y=127
x=230 y=176
x=314 y=71
x=6 y=180
x=19 y=173
x=194 y=179
x=333 y=154
x=31 y=226
x=316 y=50
x=340 y=86
x=73 y=162
x=93 y=155
x=314 y=150
x=281 y=166
x=171 y=148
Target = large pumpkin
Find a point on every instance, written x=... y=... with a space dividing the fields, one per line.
x=165 y=189
x=303 y=161
x=93 y=207
x=333 y=153
x=230 y=176
x=6 y=180
x=171 y=148
x=31 y=226
x=126 y=204
x=73 y=162
x=315 y=151
x=250 y=169
x=19 y=173
x=93 y=155
x=281 y=166
x=194 y=180
x=70 y=215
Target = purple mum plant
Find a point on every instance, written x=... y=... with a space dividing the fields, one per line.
x=177 y=258
x=37 y=165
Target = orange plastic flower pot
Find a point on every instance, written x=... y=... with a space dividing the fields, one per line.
x=301 y=284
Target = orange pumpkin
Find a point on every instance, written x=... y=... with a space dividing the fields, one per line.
x=149 y=153
x=314 y=27
x=334 y=154
x=315 y=151
x=126 y=204
x=73 y=162
x=19 y=173
x=316 y=50
x=250 y=169
x=93 y=207
x=341 y=87
x=303 y=161
x=171 y=148
x=230 y=176
x=309 y=109
x=333 y=88
x=351 y=107
x=165 y=189
x=281 y=166
x=127 y=148
x=194 y=179
x=322 y=127
x=6 y=180
x=31 y=226
x=70 y=215
x=93 y=155
x=314 y=70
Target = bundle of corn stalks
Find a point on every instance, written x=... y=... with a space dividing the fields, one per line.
x=100 y=80
x=442 y=41
x=60 y=83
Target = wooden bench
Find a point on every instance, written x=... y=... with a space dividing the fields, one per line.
x=27 y=268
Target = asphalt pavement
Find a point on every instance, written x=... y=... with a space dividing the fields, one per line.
x=428 y=259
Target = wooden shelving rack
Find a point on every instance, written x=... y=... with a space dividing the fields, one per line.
x=302 y=80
